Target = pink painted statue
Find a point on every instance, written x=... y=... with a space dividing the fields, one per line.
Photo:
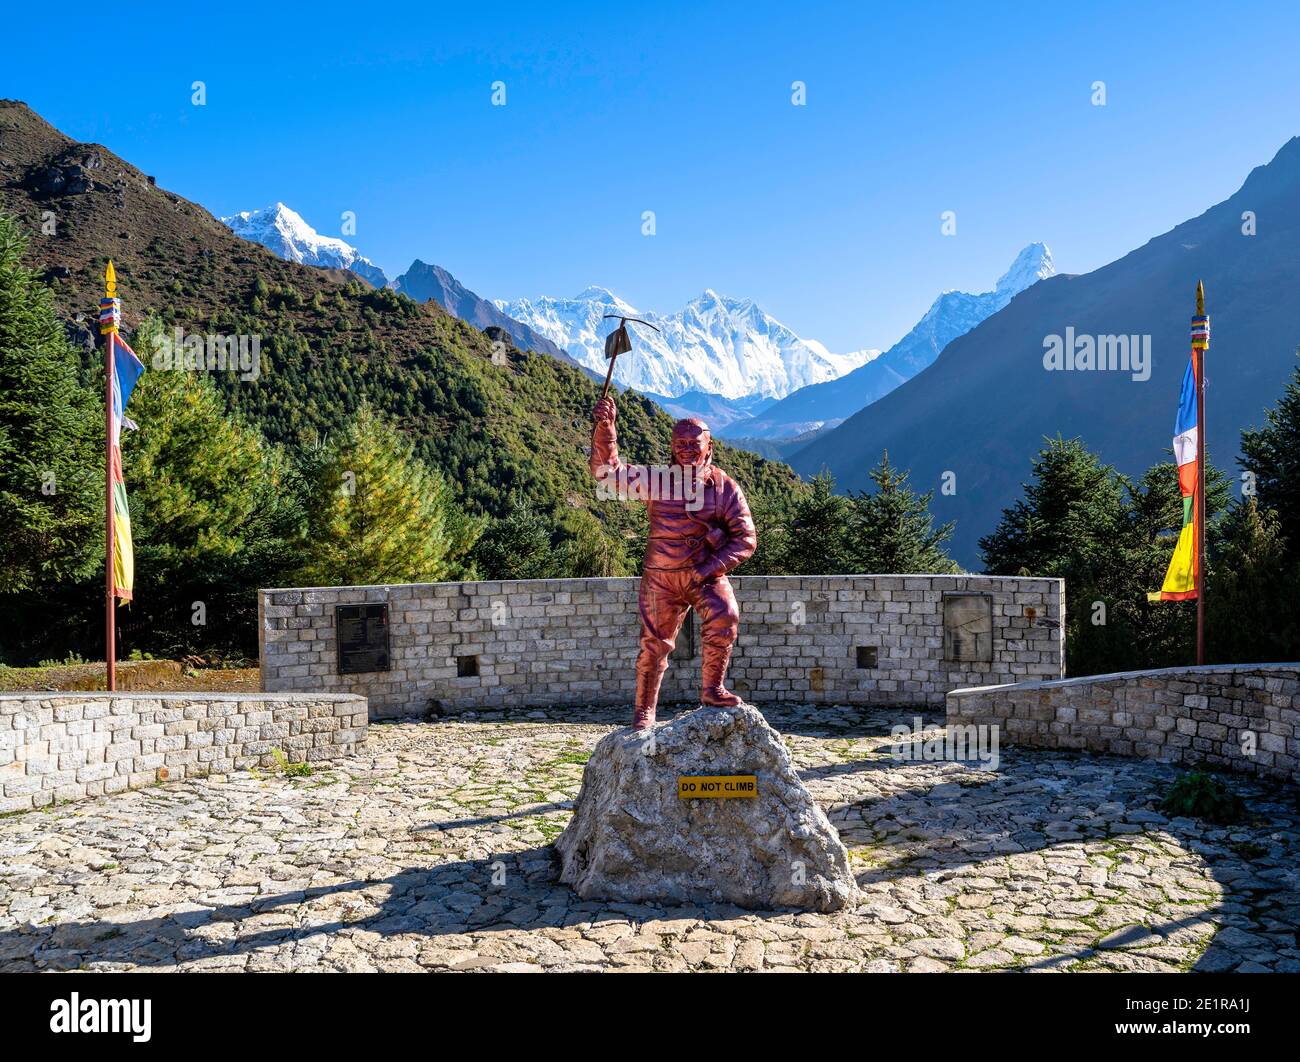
x=696 y=538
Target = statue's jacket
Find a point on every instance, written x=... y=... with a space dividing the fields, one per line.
x=709 y=529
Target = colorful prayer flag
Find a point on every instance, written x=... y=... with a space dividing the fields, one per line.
x=126 y=370
x=1182 y=579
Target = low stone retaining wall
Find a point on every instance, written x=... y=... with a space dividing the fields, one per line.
x=853 y=639
x=1241 y=717
x=58 y=747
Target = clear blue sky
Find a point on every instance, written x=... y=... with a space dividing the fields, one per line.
x=828 y=215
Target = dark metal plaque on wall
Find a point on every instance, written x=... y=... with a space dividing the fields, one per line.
x=361 y=638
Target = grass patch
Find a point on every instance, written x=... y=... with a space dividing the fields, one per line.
x=284 y=767
x=292 y=770
x=575 y=757
x=1197 y=795
x=550 y=829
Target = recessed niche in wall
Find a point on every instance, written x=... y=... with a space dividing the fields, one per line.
x=867 y=655
x=968 y=628
x=466 y=666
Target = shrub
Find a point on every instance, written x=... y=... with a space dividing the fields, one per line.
x=1196 y=795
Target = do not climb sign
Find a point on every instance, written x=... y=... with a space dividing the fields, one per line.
x=717 y=787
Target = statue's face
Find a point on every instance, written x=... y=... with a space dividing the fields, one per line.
x=692 y=446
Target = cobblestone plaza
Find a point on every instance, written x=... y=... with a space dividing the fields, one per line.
x=429 y=850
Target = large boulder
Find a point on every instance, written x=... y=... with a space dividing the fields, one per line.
x=632 y=838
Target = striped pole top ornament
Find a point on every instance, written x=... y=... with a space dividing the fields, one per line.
x=110 y=306
x=110 y=315
x=1201 y=322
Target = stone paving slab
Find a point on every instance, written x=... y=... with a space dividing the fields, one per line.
x=430 y=851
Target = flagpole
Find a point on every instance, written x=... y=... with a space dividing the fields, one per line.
x=1200 y=342
x=109 y=327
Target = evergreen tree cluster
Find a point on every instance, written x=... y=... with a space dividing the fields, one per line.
x=888 y=530
x=51 y=439
x=1110 y=538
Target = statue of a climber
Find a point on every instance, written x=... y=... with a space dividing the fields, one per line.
x=699 y=531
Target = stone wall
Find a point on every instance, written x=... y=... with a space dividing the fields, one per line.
x=554 y=642
x=58 y=747
x=1243 y=717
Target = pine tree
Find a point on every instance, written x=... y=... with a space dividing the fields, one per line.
x=1253 y=603
x=51 y=438
x=199 y=480
x=517 y=546
x=1110 y=540
x=214 y=513
x=1070 y=520
x=815 y=531
x=772 y=513
x=892 y=531
x=1163 y=633
x=1272 y=455
x=376 y=514
x=1073 y=523
x=589 y=551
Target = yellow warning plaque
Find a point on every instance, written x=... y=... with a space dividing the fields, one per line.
x=717 y=786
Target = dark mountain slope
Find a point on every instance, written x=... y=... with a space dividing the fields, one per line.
x=423 y=282
x=982 y=409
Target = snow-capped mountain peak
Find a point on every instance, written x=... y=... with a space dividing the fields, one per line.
x=600 y=296
x=1032 y=264
x=952 y=314
x=283 y=231
x=595 y=293
x=714 y=344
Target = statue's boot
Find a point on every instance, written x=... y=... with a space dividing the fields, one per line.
x=648 y=677
x=716 y=659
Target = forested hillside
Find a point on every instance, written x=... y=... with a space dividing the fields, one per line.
x=507 y=429
x=518 y=423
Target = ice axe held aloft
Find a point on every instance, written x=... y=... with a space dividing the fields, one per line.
x=619 y=342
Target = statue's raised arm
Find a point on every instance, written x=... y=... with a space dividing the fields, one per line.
x=604 y=440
